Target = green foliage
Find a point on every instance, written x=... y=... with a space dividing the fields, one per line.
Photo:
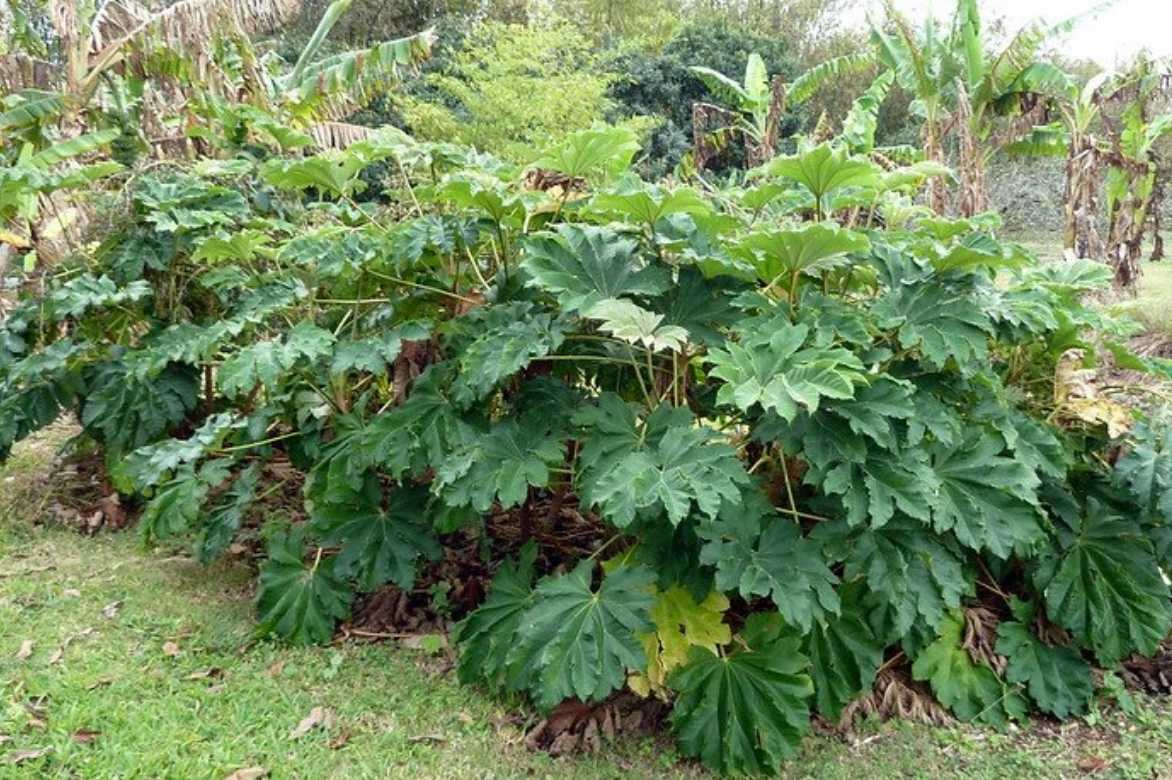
x=1105 y=586
x=487 y=636
x=585 y=265
x=745 y=711
x=511 y=90
x=1057 y=678
x=801 y=434
x=581 y=642
x=774 y=371
x=300 y=601
x=972 y=690
x=377 y=545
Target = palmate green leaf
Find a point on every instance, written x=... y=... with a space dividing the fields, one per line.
x=875 y=489
x=378 y=545
x=507 y=339
x=1106 y=588
x=265 y=362
x=126 y=412
x=973 y=691
x=486 y=637
x=876 y=410
x=176 y=505
x=784 y=254
x=646 y=204
x=1145 y=470
x=989 y=500
x=635 y=325
x=86 y=292
x=601 y=152
x=825 y=169
x=746 y=711
x=179 y=203
x=297 y=601
x=844 y=656
x=916 y=573
x=584 y=641
x=149 y=465
x=1057 y=678
x=942 y=323
x=501 y=464
x=374 y=353
x=777 y=562
x=241 y=246
x=333 y=173
x=582 y=265
x=661 y=463
x=224 y=519
x=773 y=370
x=700 y=306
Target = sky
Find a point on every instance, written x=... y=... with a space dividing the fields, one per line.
x=1109 y=38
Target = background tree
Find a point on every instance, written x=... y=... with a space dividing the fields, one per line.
x=1134 y=126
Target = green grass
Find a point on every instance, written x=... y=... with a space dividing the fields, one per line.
x=176 y=688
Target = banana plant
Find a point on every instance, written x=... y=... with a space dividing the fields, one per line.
x=1074 y=136
x=28 y=184
x=108 y=46
x=984 y=98
x=755 y=107
x=1132 y=173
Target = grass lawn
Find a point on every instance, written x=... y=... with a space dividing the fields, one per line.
x=123 y=662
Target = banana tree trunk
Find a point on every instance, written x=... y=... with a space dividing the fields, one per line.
x=934 y=152
x=1155 y=214
x=1128 y=220
x=973 y=190
x=1081 y=201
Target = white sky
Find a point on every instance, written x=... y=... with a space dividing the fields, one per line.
x=1110 y=38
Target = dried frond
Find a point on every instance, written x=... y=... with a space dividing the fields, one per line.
x=896 y=695
x=19 y=71
x=980 y=637
x=115 y=19
x=187 y=27
x=338 y=135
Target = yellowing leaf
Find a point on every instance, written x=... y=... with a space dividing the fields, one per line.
x=680 y=624
x=8 y=237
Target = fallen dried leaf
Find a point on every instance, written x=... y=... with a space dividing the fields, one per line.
x=85 y=736
x=99 y=683
x=1092 y=764
x=276 y=669
x=318 y=716
x=251 y=773
x=71 y=592
x=26 y=649
x=4 y=738
x=58 y=654
x=339 y=741
x=20 y=756
x=427 y=738
x=204 y=674
x=111 y=609
x=170 y=649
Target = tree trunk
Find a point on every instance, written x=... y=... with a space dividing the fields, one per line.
x=1125 y=241
x=934 y=152
x=973 y=192
x=1081 y=201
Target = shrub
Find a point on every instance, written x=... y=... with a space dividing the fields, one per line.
x=511 y=89
x=798 y=450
